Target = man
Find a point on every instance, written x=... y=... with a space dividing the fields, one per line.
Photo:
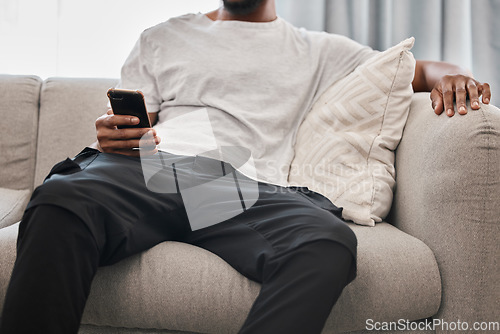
x=256 y=76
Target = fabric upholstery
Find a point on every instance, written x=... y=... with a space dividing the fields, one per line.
x=12 y=204
x=345 y=145
x=68 y=110
x=448 y=196
x=8 y=238
x=19 y=98
x=180 y=287
x=393 y=268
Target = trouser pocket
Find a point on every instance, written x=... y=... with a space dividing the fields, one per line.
x=78 y=163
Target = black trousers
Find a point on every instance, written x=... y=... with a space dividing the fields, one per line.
x=97 y=209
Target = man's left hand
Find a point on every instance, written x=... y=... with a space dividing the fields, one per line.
x=458 y=88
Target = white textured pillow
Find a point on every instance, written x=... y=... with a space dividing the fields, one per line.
x=345 y=146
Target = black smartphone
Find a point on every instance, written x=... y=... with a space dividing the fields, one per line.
x=129 y=102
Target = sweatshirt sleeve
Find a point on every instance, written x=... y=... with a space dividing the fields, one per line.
x=138 y=73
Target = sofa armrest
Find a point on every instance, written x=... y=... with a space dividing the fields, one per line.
x=448 y=196
x=12 y=205
x=19 y=101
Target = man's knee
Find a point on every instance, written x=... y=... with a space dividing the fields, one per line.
x=53 y=224
x=322 y=222
x=325 y=262
x=323 y=253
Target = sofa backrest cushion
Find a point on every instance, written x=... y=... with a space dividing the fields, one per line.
x=68 y=110
x=19 y=97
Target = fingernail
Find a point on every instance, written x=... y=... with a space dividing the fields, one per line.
x=449 y=112
x=462 y=109
x=486 y=100
x=134 y=120
x=475 y=104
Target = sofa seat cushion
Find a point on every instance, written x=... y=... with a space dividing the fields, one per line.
x=180 y=287
x=398 y=278
x=12 y=205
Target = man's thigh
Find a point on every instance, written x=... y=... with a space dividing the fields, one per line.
x=282 y=220
x=108 y=192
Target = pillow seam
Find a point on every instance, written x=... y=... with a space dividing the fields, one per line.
x=369 y=158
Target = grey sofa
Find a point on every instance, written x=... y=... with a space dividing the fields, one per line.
x=437 y=256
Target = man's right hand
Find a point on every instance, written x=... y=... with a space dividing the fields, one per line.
x=110 y=139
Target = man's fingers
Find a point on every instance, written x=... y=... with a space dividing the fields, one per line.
x=486 y=92
x=447 y=89
x=110 y=120
x=115 y=120
x=131 y=133
x=439 y=108
x=125 y=141
x=114 y=140
x=132 y=143
x=458 y=88
x=131 y=138
x=125 y=133
x=112 y=145
x=461 y=98
x=437 y=101
x=461 y=87
x=473 y=94
x=448 y=97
